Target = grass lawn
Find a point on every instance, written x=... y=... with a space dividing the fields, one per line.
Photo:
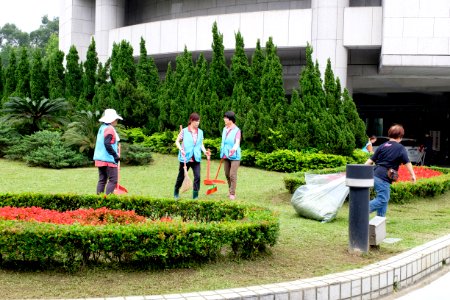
x=305 y=249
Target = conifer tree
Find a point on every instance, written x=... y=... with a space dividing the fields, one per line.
x=179 y=110
x=165 y=96
x=356 y=125
x=10 y=74
x=37 y=77
x=332 y=99
x=56 y=75
x=201 y=94
x=273 y=102
x=256 y=73
x=123 y=76
x=296 y=126
x=240 y=104
x=240 y=67
x=1 y=79
x=103 y=86
x=73 y=76
x=122 y=63
x=211 y=114
x=219 y=74
x=147 y=73
x=23 y=75
x=90 y=72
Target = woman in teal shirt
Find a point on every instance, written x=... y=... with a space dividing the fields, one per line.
x=230 y=151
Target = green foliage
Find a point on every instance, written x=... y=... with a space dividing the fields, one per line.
x=38 y=81
x=56 y=75
x=82 y=132
x=103 y=86
x=8 y=137
x=220 y=78
x=55 y=156
x=214 y=146
x=90 y=72
x=293 y=181
x=294 y=161
x=35 y=113
x=45 y=149
x=198 y=233
x=48 y=28
x=135 y=155
x=402 y=192
x=162 y=142
x=74 y=76
x=23 y=75
x=10 y=75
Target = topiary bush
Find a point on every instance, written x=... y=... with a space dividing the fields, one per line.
x=199 y=232
x=46 y=149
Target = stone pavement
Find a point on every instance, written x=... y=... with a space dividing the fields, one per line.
x=380 y=280
x=435 y=287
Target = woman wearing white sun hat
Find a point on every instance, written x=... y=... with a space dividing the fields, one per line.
x=106 y=155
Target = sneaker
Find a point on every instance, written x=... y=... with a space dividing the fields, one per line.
x=232 y=197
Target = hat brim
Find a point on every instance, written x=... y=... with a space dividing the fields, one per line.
x=110 y=119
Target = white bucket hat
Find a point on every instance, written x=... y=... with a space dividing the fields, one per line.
x=109 y=116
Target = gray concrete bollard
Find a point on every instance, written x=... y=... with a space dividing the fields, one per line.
x=359 y=178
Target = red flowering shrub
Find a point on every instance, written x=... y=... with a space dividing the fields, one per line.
x=421 y=172
x=99 y=216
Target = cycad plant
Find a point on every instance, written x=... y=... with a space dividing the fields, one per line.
x=82 y=132
x=35 y=115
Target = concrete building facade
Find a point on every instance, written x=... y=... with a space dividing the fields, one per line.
x=392 y=55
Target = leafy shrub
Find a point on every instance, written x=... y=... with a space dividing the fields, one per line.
x=46 y=149
x=162 y=142
x=134 y=135
x=293 y=161
x=201 y=231
x=135 y=154
x=295 y=180
x=214 y=146
x=249 y=157
x=358 y=157
x=56 y=156
x=8 y=137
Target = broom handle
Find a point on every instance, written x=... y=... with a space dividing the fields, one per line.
x=118 y=167
x=220 y=165
x=184 y=156
x=208 y=165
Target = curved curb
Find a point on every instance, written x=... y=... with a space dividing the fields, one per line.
x=371 y=282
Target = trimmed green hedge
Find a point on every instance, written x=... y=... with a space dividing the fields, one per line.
x=295 y=180
x=401 y=192
x=199 y=232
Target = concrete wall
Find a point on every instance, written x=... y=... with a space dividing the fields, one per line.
x=416 y=33
x=76 y=25
x=138 y=11
x=289 y=28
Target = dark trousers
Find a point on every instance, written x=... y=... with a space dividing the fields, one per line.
x=195 y=165
x=107 y=176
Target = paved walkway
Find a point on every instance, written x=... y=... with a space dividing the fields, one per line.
x=385 y=279
x=434 y=288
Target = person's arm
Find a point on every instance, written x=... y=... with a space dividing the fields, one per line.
x=178 y=143
x=370 y=148
x=108 y=145
x=411 y=171
x=369 y=162
x=237 y=142
x=206 y=152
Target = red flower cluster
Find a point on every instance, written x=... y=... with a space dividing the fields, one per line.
x=100 y=216
x=421 y=172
